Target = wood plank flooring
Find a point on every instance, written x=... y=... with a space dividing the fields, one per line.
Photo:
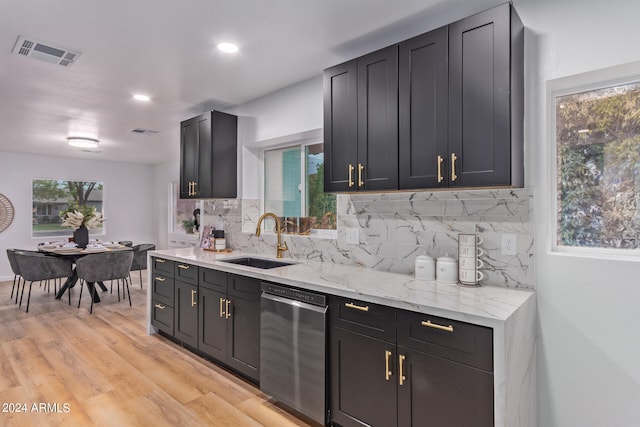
x=69 y=368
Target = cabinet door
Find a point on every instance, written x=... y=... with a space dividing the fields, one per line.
x=479 y=99
x=186 y=313
x=340 y=127
x=204 y=182
x=188 y=157
x=377 y=167
x=361 y=392
x=243 y=333
x=212 y=323
x=439 y=392
x=423 y=104
x=223 y=172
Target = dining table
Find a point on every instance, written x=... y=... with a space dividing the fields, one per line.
x=71 y=252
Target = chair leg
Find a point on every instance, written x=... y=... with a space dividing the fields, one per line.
x=29 y=297
x=93 y=295
x=24 y=283
x=79 y=299
x=15 y=276
x=128 y=291
x=140 y=278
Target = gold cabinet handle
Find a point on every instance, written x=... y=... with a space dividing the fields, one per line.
x=351 y=168
x=356 y=307
x=440 y=177
x=160 y=306
x=436 y=326
x=453 y=167
x=387 y=372
x=193 y=298
x=161 y=261
x=184 y=267
x=194 y=188
x=360 y=169
x=221 y=309
x=190 y=188
x=401 y=376
x=160 y=279
x=228 y=313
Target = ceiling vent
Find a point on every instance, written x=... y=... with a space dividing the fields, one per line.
x=45 y=52
x=145 y=131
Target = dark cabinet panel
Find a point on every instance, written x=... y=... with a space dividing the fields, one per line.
x=212 y=323
x=377 y=167
x=186 y=313
x=208 y=156
x=423 y=110
x=186 y=273
x=439 y=392
x=162 y=316
x=162 y=266
x=243 y=337
x=362 y=394
x=162 y=288
x=340 y=126
x=485 y=99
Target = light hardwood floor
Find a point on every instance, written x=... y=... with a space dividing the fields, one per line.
x=104 y=370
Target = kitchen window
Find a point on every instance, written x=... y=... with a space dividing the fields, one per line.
x=597 y=153
x=184 y=214
x=294 y=186
x=50 y=197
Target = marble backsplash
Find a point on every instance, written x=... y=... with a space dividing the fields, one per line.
x=396 y=227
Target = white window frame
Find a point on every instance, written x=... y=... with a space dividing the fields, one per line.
x=301 y=144
x=600 y=79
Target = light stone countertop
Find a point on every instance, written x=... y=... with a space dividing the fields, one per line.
x=485 y=305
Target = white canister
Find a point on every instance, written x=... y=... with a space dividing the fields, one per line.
x=447 y=270
x=425 y=267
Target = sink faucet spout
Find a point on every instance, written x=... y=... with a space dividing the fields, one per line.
x=281 y=246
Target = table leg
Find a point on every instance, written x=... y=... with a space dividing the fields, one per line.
x=69 y=283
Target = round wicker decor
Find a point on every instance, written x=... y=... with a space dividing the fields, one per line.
x=6 y=213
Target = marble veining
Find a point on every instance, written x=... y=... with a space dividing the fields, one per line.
x=398 y=226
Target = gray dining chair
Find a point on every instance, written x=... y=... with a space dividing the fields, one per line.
x=37 y=267
x=15 y=268
x=104 y=266
x=140 y=258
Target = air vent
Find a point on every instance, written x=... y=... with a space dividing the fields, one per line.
x=45 y=52
x=145 y=131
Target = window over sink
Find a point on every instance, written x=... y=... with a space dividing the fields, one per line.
x=294 y=188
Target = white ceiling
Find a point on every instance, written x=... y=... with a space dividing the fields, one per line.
x=166 y=48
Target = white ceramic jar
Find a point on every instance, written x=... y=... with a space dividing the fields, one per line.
x=447 y=270
x=425 y=267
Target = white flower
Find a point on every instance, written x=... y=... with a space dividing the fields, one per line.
x=75 y=219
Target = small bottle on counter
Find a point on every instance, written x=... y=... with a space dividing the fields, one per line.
x=220 y=243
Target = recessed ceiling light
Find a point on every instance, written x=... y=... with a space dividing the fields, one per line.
x=82 y=142
x=228 y=47
x=141 y=97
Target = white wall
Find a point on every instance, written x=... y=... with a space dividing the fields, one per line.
x=127 y=199
x=588 y=364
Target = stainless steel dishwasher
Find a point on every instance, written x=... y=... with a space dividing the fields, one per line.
x=293 y=348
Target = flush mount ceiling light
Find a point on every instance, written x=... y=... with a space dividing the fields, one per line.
x=228 y=47
x=141 y=97
x=82 y=142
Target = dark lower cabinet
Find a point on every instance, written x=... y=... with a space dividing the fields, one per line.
x=443 y=393
x=229 y=320
x=186 y=313
x=434 y=371
x=361 y=392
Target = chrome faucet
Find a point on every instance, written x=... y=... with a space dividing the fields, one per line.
x=281 y=246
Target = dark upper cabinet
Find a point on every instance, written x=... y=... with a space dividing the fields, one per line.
x=423 y=110
x=340 y=126
x=486 y=96
x=361 y=123
x=443 y=109
x=208 y=156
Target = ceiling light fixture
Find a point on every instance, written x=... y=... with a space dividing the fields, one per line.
x=82 y=142
x=141 y=97
x=228 y=47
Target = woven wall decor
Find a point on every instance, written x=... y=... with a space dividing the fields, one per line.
x=6 y=213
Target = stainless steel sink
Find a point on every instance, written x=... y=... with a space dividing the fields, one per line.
x=257 y=262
